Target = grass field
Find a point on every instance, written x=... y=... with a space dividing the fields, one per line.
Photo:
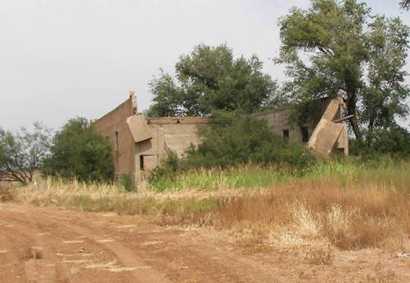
x=382 y=172
x=334 y=205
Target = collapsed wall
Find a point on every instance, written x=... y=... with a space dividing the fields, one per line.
x=330 y=134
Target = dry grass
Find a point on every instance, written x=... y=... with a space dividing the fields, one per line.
x=348 y=219
x=184 y=208
x=319 y=255
x=313 y=215
x=6 y=192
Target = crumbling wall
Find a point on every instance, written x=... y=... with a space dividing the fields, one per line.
x=114 y=126
x=166 y=135
x=330 y=134
x=280 y=123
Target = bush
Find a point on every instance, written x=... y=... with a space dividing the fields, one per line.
x=234 y=138
x=394 y=141
x=79 y=152
x=167 y=170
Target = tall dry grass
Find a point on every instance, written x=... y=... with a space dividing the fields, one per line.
x=347 y=218
x=344 y=206
x=6 y=193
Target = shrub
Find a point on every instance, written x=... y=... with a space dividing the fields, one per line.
x=230 y=140
x=234 y=138
x=165 y=172
x=394 y=141
x=79 y=152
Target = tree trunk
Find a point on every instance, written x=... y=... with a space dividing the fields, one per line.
x=369 y=136
x=352 y=109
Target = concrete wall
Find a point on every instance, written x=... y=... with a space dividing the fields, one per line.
x=279 y=122
x=330 y=134
x=114 y=126
x=167 y=135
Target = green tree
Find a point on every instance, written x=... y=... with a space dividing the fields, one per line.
x=341 y=45
x=80 y=152
x=233 y=138
x=22 y=153
x=209 y=79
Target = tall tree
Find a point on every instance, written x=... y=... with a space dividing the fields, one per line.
x=79 y=152
x=341 y=45
x=209 y=79
x=22 y=153
x=405 y=4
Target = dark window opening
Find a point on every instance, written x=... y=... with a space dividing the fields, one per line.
x=286 y=135
x=117 y=141
x=305 y=134
x=142 y=163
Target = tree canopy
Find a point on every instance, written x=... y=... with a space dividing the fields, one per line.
x=22 y=153
x=209 y=79
x=79 y=152
x=341 y=45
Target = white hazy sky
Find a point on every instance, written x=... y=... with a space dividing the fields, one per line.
x=65 y=58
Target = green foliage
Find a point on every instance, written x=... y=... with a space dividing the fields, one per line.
x=209 y=79
x=394 y=141
x=22 y=153
x=80 y=152
x=233 y=139
x=341 y=46
x=127 y=183
x=383 y=171
x=167 y=170
x=242 y=176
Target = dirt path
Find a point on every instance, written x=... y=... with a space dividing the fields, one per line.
x=52 y=245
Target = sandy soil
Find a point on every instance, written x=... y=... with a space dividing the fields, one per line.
x=54 y=245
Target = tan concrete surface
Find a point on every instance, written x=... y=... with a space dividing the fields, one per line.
x=114 y=126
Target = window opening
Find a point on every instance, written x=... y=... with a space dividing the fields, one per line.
x=142 y=166
x=305 y=134
x=117 y=141
x=286 y=134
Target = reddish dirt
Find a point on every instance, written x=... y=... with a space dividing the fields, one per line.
x=54 y=245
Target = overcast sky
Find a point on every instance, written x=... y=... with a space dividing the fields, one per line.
x=65 y=58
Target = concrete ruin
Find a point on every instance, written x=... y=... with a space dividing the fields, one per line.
x=140 y=143
x=324 y=133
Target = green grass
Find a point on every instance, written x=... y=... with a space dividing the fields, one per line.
x=214 y=179
x=383 y=172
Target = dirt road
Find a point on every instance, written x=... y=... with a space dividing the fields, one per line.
x=53 y=245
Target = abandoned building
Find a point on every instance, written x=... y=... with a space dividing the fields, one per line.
x=140 y=143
